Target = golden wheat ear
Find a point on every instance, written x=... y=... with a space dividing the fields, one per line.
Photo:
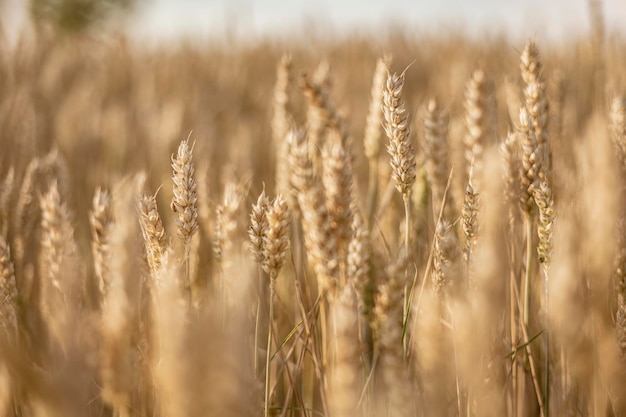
x=101 y=221
x=153 y=233
x=400 y=148
x=437 y=159
x=8 y=292
x=184 y=204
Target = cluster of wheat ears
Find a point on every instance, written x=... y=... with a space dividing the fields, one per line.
x=466 y=271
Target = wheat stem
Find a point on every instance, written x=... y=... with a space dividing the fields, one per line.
x=269 y=346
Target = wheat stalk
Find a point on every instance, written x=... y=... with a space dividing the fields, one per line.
x=389 y=314
x=344 y=381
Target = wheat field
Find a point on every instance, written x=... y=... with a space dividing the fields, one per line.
x=397 y=225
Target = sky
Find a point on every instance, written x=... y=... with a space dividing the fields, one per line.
x=172 y=19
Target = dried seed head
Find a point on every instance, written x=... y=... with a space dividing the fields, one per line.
x=530 y=165
x=400 y=148
x=320 y=242
x=480 y=120
x=282 y=117
x=276 y=238
x=322 y=116
x=8 y=291
x=153 y=232
x=338 y=187
x=511 y=160
x=228 y=225
x=359 y=252
x=620 y=326
x=445 y=257
x=57 y=249
x=372 y=139
x=530 y=65
x=57 y=237
x=185 y=198
x=617 y=125
x=437 y=160
x=101 y=220
x=258 y=227
x=469 y=215
x=543 y=198
x=536 y=103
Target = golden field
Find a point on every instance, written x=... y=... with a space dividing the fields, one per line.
x=399 y=225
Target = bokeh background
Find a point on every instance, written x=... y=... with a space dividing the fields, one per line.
x=98 y=94
x=555 y=20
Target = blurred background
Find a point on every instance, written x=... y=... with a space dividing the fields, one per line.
x=93 y=92
x=166 y=20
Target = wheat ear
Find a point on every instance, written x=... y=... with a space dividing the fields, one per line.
x=338 y=187
x=373 y=134
x=536 y=103
x=101 y=221
x=184 y=202
x=437 y=160
x=479 y=121
x=319 y=240
x=617 y=127
x=153 y=233
x=8 y=291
